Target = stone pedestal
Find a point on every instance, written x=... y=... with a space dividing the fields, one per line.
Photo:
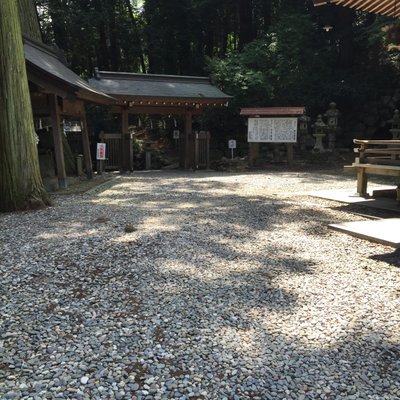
x=395 y=133
x=319 y=146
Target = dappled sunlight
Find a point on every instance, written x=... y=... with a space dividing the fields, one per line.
x=213 y=271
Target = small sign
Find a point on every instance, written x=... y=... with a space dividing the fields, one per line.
x=101 y=151
x=175 y=134
x=232 y=144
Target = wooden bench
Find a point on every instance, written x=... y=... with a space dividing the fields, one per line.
x=375 y=157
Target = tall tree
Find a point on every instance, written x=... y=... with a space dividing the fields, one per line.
x=29 y=19
x=21 y=185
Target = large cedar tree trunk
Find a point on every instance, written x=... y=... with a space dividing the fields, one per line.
x=21 y=185
x=29 y=20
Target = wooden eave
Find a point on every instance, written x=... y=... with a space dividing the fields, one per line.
x=170 y=101
x=49 y=84
x=272 y=111
x=383 y=7
x=52 y=84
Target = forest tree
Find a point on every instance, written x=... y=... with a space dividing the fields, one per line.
x=21 y=185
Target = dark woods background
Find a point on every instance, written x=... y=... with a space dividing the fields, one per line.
x=263 y=52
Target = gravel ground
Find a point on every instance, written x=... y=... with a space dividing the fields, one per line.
x=197 y=286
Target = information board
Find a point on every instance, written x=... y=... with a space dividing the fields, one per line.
x=272 y=130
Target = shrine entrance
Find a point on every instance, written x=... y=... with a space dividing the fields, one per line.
x=144 y=95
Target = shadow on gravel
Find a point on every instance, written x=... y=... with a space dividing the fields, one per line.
x=182 y=291
x=392 y=258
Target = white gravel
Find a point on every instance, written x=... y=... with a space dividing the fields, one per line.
x=227 y=286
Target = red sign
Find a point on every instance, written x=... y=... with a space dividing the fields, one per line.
x=101 y=151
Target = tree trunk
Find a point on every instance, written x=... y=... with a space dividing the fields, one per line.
x=266 y=11
x=137 y=34
x=114 y=45
x=56 y=8
x=345 y=33
x=29 y=20
x=21 y=185
x=246 y=31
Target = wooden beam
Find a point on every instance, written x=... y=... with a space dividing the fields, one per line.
x=86 y=147
x=125 y=153
x=188 y=133
x=58 y=145
x=154 y=110
x=49 y=85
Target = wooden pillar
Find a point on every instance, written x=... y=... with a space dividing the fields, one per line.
x=188 y=132
x=196 y=150
x=254 y=149
x=86 y=146
x=124 y=162
x=290 y=153
x=362 y=182
x=208 y=151
x=57 y=139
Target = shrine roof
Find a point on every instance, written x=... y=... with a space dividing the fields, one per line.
x=146 y=86
x=44 y=59
x=384 y=7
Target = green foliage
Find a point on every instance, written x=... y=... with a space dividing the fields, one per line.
x=262 y=52
x=281 y=68
x=294 y=64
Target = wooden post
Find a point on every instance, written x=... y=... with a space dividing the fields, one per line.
x=290 y=153
x=362 y=182
x=125 y=163
x=208 y=151
x=188 y=132
x=196 y=150
x=253 y=153
x=86 y=146
x=58 y=146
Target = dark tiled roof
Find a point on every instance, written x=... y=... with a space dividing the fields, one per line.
x=148 y=85
x=46 y=59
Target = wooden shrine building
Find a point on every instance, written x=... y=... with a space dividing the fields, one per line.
x=163 y=95
x=56 y=93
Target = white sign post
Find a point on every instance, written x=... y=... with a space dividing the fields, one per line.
x=100 y=156
x=175 y=134
x=101 y=151
x=232 y=146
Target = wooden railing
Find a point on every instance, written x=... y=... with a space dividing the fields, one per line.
x=375 y=157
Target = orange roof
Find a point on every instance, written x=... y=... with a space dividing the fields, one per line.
x=273 y=111
x=384 y=7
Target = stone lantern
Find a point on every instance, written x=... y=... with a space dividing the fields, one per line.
x=332 y=116
x=319 y=134
x=395 y=121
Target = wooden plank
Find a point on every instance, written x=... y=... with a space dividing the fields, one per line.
x=387 y=150
x=382 y=142
x=376 y=167
x=383 y=231
x=382 y=161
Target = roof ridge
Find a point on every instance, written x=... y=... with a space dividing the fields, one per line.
x=156 y=77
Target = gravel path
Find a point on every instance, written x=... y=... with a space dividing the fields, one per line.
x=226 y=286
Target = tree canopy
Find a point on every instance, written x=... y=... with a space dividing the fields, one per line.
x=265 y=52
